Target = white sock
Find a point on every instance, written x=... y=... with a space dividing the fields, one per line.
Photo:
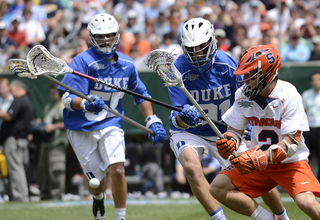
x=99 y=197
x=261 y=214
x=218 y=214
x=108 y=192
x=121 y=213
x=283 y=215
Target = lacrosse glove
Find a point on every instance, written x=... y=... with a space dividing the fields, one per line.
x=250 y=160
x=190 y=116
x=96 y=106
x=155 y=124
x=226 y=145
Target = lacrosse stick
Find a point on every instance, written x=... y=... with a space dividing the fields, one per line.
x=20 y=67
x=161 y=61
x=41 y=61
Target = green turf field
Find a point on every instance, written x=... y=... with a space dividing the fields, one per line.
x=164 y=209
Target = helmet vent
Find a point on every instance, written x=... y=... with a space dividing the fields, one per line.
x=200 y=24
x=187 y=26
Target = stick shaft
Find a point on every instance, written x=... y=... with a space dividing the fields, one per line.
x=129 y=120
x=204 y=115
x=90 y=78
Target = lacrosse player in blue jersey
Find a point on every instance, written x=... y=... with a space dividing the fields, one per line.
x=95 y=134
x=207 y=74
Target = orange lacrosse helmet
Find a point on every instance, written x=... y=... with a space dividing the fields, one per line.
x=266 y=60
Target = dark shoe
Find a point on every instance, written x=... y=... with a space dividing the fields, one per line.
x=98 y=210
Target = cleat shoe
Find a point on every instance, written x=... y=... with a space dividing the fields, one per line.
x=98 y=210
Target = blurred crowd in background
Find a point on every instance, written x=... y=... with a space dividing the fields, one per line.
x=293 y=26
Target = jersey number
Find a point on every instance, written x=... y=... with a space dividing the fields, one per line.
x=113 y=99
x=268 y=136
x=212 y=109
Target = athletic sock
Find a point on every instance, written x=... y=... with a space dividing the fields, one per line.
x=121 y=213
x=218 y=214
x=283 y=215
x=99 y=197
x=261 y=214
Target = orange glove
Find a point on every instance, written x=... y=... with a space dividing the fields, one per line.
x=250 y=160
x=226 y=145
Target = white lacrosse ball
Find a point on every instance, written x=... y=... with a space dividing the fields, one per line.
x=94 y=183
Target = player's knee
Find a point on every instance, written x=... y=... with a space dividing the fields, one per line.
x=192 y=171
x=305 y=201
x=117 y=173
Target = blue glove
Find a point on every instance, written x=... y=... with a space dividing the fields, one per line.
x=96 y=106
x=190 y=116
x=155 y=124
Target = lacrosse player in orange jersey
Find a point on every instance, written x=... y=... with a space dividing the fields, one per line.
x=278 y=155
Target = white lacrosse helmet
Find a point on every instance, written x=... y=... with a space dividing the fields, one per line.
x=104 y=24
x=199 y=32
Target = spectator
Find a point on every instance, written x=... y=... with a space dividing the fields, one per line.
x=18 y=36
x=296 y=18
x=307 y=30
x=126 y=39
x=251 y=20
x=54 y=12
x=137 y=59
x=317 y=26
x=38 y=13
x=315 y=54
x=13 y=137
x=223 y=43
x=6 y=97
x=311 y=104
x=142 y=44
x=284 y=17
x=33 y=29
x=122 y=8
x=162 y=26
x=52 y=158
x=15 y=9
x=152 y=11
x=70 y=54
x=267 y=37
x=132 y=25
x=169 y=45
x=294 y=50
x=7 y=45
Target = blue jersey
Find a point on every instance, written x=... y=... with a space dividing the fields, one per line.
x=213 y=90
x=121 y=74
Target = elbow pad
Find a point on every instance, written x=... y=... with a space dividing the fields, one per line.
x=67 y=100
x=292 y=148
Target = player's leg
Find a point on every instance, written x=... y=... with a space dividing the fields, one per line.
x=187 y=148
x=273 y=200
x=307 y=202
x=112 y=152
x=85 y=147
x=225 y=192
x=119 y=188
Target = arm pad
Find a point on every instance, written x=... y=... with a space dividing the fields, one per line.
x=67 y=100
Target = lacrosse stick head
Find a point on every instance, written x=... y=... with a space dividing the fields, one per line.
x=41 y=61
x=161 y=61
x=20 y=68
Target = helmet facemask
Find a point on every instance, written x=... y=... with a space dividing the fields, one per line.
x=201 y=59
x=103 y=45
x=254 y=82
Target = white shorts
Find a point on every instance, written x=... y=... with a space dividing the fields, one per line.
x=180 y=140
x=96 y=150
